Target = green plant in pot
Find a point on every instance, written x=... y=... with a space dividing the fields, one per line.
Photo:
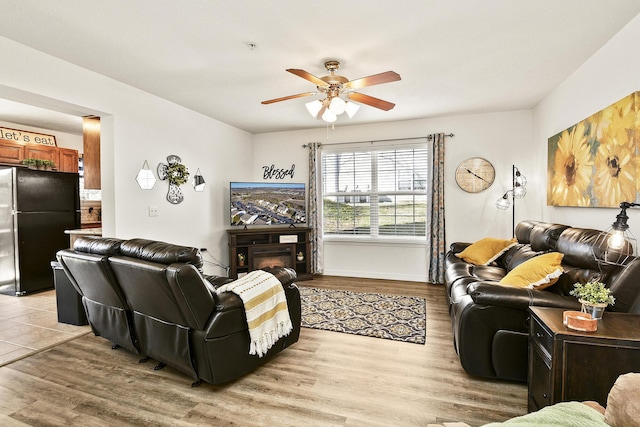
x=48 y=164
x=31 y=163
x=594 y=297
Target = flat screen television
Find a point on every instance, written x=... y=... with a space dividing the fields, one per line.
x=267 y=203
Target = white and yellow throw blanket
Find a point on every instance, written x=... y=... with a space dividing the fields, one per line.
x=265 y=305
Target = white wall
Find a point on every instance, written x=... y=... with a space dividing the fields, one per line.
x=502 y=138
x=608 y=76
x=137 y=126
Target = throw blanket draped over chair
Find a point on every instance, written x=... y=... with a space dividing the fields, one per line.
x=265 y=305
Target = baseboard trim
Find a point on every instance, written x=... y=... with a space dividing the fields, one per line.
x=376 y=275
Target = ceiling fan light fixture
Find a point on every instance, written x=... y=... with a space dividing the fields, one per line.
x=337 y=89
x=351 y=108
x=337 y=106
x=314 y=107
x=328 y=116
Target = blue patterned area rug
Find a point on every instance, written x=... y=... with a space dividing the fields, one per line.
x=393 y=317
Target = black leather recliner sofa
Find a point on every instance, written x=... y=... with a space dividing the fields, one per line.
x=490 y=321
x=152 y=298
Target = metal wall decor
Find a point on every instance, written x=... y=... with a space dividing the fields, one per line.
x=177 y=174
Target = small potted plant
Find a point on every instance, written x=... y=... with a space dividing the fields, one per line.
x=40 y=164
x=594 y=297
x=30 y=163
x=240 y=260
x=48 y=164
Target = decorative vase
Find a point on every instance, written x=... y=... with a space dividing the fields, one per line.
x=300 y=256
x=595 y=310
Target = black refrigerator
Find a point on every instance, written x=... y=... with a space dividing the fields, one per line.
x=36 y=207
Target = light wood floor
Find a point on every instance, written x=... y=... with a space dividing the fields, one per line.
x=325 y=379
x=30 y=324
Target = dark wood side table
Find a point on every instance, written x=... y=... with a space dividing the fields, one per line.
x=566 y=365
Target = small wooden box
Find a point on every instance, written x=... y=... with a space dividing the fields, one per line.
x=579 y=321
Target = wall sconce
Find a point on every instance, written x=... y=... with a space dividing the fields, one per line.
x=617 y=245
x=518 y=191
x=198 y=181
x=145 y=178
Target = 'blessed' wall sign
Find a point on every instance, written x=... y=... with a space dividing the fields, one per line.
x=271 y=172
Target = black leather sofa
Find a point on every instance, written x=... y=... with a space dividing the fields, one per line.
x=153 y=299
x=490 y=321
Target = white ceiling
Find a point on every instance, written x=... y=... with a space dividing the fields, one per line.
x=454 y=56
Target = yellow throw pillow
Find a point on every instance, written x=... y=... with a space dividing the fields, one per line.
x=486 y=250
x=538 y=272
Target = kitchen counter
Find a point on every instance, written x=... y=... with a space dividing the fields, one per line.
x=78 y=232
x=91 y=225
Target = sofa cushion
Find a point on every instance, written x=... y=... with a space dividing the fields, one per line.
x=161 y=252
x=489 y=273
x=581 y=247
x=544 y=237
x=486 y=250
x=517 y=255
x=97 y=245
x=539 y=272
x=523 y=230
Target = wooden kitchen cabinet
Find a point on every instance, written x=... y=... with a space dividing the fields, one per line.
x=67 y=160
x=43 y=152
x=566 y=365
x=11 y=152
x=91 y=153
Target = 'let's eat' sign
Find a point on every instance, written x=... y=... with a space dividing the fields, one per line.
x=25 y=137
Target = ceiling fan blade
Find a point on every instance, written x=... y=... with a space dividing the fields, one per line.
x=307 y=76
x=376 y=79
x=370 y=100
x=284 y=98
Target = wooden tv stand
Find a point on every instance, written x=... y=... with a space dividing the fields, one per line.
x=264 y=247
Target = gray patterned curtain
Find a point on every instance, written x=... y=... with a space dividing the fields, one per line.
x=314 y=214
x=436 y=211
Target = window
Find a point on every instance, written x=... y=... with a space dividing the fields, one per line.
x=377 y=192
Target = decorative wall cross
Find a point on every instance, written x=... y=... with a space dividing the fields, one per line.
x=177 y=174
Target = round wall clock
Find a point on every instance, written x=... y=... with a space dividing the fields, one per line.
x=475 y=175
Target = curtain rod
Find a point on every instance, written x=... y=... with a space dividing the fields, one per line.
x=428 y=138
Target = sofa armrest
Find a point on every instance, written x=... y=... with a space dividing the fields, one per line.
x=285 y=275
x=229 y=315
x=489 y=293
x=217 y=281
x=457 y=247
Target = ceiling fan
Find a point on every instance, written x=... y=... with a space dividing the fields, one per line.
x=336 y=87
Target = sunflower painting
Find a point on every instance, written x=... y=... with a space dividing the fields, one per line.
x=595 y=162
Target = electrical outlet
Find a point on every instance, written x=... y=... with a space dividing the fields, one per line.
x=153 y=211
